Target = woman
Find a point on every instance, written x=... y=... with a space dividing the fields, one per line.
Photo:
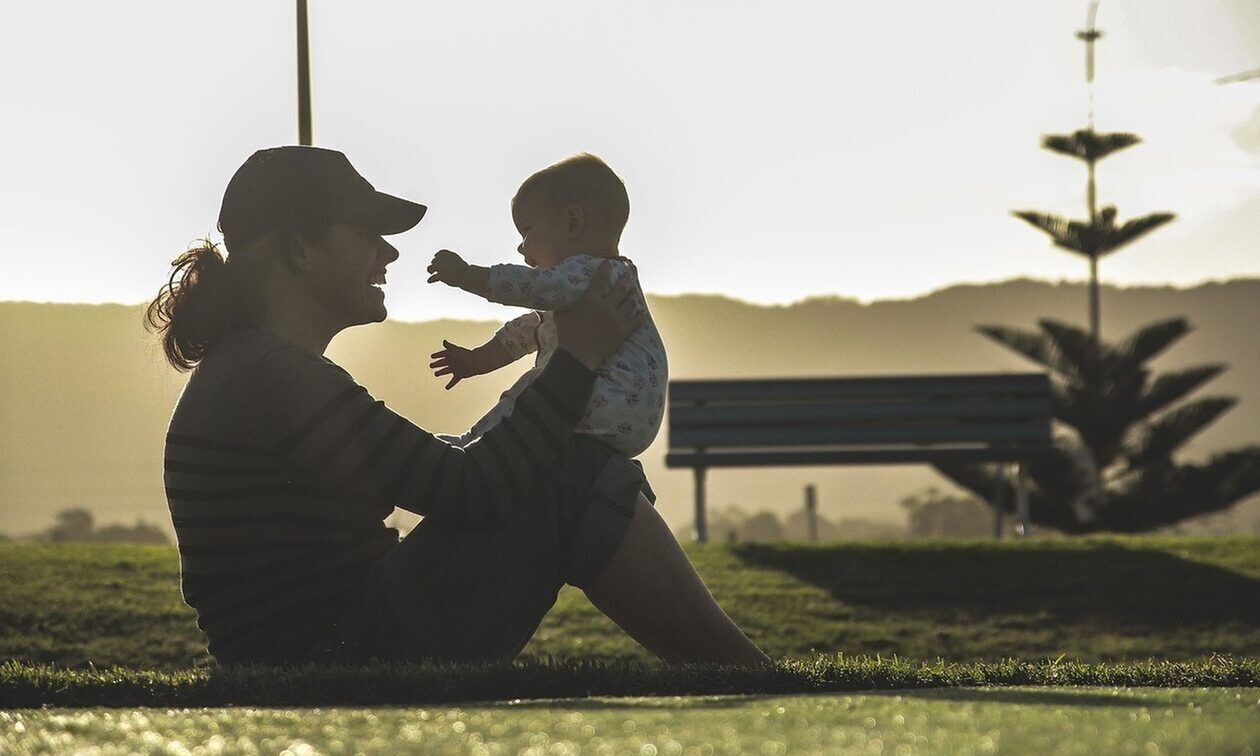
x=280 y=469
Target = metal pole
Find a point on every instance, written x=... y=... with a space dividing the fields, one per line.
x=811 y=511
x=1021 y=501
x=304 y=76
x=702 y=528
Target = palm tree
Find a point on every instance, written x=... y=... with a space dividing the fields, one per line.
x=1113 y=466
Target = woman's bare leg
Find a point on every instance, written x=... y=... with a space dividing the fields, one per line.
x=650 y=589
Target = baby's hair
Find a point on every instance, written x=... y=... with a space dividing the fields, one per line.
x=586 y=181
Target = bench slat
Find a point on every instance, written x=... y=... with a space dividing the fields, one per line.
x=799 y=389
x=782 y=458
x=966 y=418
x=687 y=417
x=798 y=435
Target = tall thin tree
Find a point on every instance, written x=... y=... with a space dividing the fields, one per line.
x=1119 y=423
x=1100 y=235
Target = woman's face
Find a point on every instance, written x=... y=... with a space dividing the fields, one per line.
x=346 y=271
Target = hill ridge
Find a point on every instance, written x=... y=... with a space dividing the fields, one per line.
x=76 y=375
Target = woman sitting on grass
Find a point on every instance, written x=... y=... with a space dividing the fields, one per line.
x=280 y=469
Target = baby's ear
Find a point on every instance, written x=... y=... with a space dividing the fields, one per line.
x=575 y=219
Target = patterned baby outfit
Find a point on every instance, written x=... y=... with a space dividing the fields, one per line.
x=628 y=401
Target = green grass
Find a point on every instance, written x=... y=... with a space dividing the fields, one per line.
x=1084 y=721
x=26 y=685
x=1169 y=627
x=1089 y=599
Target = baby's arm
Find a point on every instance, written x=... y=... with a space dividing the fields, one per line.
x=511 y=342
x=450 y=269
x=460 y=363
x=555 y=288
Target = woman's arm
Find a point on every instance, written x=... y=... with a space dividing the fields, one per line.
x=331 y=428
x=348 y=441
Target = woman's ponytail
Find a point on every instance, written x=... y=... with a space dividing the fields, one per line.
x=206 y=297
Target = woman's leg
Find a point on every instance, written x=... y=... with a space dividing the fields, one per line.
x=650 y=589
x=454 y=593
x=450 y=593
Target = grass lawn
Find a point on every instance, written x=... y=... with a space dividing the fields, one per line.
x=24 y=685
x=860 y=632
x=1088 y=599
x=1022 y=720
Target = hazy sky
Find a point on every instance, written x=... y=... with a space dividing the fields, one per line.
x=772 y=150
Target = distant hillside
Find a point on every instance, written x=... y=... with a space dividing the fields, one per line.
x=86 y=395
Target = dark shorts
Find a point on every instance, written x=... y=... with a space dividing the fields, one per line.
x=447 y=592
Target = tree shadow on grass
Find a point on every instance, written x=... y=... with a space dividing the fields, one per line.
x=1106 y=585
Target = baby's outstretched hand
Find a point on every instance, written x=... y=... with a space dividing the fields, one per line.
x=453 y=360
x=448 y=267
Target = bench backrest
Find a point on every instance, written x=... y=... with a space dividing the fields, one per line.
x=970 y=417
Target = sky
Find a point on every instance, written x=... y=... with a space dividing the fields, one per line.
x=772 y=151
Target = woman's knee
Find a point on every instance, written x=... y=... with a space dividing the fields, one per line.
x=605 y=510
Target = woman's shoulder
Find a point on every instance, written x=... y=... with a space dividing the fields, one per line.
x=245 y=347
x=278 y=380
x=258 y=350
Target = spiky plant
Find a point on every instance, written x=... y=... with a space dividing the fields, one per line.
x=1113 y=466
x=1100 y=234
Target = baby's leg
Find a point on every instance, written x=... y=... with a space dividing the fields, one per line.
x=650 y=589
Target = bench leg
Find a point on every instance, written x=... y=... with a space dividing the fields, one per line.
x=702 y=527
x=811 y=511
x=998 y=514
x=1021 y=500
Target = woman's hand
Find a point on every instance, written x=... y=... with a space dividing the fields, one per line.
x=601 y=320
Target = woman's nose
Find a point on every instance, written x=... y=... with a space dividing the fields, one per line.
x=391 y=252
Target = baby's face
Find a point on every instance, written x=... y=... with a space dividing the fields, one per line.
x=544 y=241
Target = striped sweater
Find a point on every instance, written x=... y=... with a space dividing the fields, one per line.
x=280 y=469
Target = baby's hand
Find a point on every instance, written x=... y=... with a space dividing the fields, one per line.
x=455 y=361
x=449 y=268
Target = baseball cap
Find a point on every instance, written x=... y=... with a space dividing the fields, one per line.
x=297 y=187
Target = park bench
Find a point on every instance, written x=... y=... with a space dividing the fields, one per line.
x=1002 y=417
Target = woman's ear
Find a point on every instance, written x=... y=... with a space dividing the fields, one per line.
x=297 y=253
x=574 y=219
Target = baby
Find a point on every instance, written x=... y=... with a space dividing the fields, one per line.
x=570 y=217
